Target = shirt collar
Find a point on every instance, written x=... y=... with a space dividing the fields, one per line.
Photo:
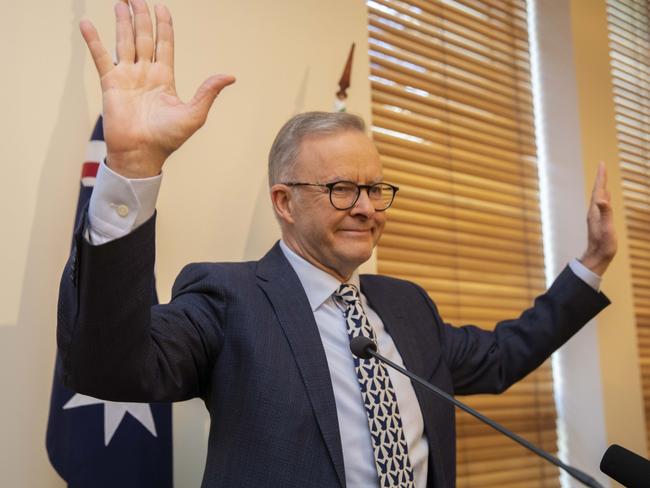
x=318 y=284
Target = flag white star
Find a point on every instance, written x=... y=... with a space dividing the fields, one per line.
x=114 y=413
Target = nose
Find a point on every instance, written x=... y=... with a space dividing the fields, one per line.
x=363 y=206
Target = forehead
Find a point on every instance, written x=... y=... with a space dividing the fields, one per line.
x=347 y=155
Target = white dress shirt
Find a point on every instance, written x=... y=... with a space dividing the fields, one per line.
x=358 y=455
x=119 y=205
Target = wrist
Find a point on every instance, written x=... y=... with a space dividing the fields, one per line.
x=595 y=263
x=134 y=165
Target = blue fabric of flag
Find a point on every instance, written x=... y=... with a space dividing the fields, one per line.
x=83 y=446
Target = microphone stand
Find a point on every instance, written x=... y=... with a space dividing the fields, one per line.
x=364 y=348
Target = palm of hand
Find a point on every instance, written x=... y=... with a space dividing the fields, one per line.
x=601 y=228
x=602 y=241
x=142 y=113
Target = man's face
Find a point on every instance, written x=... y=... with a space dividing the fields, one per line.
x=337 y=241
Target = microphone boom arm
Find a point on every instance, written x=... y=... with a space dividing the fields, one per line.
x=370 y=349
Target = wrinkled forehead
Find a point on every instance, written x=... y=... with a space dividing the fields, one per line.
x=346 y=155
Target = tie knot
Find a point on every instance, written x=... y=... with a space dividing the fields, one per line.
x=348 y=293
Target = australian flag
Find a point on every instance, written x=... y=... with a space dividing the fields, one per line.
x=102 y=444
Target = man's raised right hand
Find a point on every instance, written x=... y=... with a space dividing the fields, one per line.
x=144 y=120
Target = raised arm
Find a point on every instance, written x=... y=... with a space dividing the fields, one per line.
x=144 y=120
x=113 y=343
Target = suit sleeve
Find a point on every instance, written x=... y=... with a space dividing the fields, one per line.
x=115 y=343
x=482 y=361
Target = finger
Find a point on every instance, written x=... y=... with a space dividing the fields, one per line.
x=599 y=182
x=125 y=45
x=602 y=174
x=103 y=62
x=164 y=36
x=143 y=31
x=207 y=92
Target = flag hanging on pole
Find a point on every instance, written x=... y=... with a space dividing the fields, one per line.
x=102 y=444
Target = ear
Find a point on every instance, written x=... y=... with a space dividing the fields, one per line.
x=283 y=203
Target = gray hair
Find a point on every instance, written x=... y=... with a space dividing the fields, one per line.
x=286 y=146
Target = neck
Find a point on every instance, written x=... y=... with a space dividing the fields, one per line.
x=343 y=277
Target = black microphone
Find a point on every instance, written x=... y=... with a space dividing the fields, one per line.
x=365 y=348
x=626 y=467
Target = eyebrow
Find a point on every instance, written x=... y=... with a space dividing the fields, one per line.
x=344 y=178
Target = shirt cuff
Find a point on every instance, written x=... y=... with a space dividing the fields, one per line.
x=585 y=274
x=119 y=205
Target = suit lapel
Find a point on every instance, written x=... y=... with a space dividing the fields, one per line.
x=393 y=316
x=283 y=289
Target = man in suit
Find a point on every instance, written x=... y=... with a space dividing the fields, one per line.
x=266 y=344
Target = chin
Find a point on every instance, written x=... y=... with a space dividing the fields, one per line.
x=354 y=249
x=360 y=255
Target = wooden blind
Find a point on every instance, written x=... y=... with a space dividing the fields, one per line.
x=453 y=120
x=629 y=35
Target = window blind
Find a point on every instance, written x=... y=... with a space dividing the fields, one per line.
x=452 y=117
x=629 y=36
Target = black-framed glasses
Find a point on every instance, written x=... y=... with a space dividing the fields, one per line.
x=344 y=194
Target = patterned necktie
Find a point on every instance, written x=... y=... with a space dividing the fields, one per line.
x=388 y=440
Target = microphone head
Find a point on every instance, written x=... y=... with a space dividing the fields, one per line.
x=361 y=347
x=626 y=467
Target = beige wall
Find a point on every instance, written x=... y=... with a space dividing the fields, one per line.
x=287 y=56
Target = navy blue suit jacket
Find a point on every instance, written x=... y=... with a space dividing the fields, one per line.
x=242 y=336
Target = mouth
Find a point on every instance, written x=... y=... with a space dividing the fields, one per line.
x=356 y=231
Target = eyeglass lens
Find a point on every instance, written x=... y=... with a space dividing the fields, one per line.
x=344 y=195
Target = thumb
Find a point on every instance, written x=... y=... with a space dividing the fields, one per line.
x=604 y=206
x=207 y=92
